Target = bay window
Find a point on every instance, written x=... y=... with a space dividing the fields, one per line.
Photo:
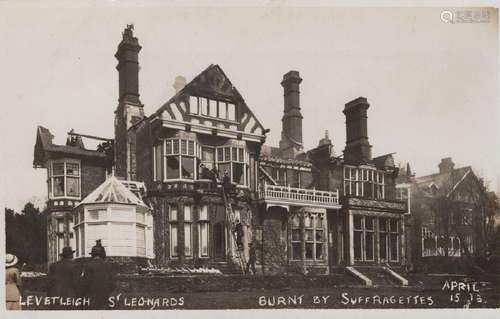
x=234 y=161
x=174 y=159
x=365 y=182
x=64 y=179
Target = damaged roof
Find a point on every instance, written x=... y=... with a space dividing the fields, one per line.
x=44 y=148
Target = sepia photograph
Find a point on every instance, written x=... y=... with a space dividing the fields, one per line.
x=249 y=155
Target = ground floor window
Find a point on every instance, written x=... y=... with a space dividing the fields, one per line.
x=364 y=238
x=367 y=230
x=307 y=238
x=203 y=231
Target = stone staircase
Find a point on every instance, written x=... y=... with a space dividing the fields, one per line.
x=378 y=275
x=227 y=268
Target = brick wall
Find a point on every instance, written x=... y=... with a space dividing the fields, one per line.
x=274 y=243
x=93 y=175
x=144 y=154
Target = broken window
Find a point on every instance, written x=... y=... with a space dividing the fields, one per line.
x=64 y=179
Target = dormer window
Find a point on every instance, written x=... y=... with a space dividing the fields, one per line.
x=64 y=179
x=203 y=106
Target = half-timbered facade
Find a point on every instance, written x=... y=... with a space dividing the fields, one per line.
x=203 y=160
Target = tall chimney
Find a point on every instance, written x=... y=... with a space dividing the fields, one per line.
x=446 y=165
x=291 y=132
x=357 y=149
x=128 y=67
x=130 y=109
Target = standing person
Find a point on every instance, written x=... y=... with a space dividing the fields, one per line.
x=64 y=275
x=226 y=182
x=13 y=283
x=252 y=259
x=238 y=230
x=98 y=280
x=214 y=176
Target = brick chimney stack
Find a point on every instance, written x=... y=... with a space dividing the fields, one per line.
x=446 y=165
x=127 y=55
x=357 y=149
x=291 y=133
x=130 y=109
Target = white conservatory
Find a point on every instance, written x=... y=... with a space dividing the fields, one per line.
x=116 y=214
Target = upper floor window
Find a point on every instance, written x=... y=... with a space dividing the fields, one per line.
x=364 y=182
x=234 y=161
x=212 y=108
x=64 y=179
x=403 y=194
x=180 y=159
x=175 y=159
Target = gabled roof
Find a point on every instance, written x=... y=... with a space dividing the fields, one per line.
x=383 y=161
x=445 y=182
x=211 y=83
x=44 y=147
x=112 y=191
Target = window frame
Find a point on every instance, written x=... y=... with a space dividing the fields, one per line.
x=64 y=175
x=304 y=241
x=240 y=158
x=203 y=221
x=357 y=179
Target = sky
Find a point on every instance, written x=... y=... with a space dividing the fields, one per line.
x=432 y=86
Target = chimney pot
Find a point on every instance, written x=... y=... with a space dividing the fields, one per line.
x=179 y=84
x=446 y=165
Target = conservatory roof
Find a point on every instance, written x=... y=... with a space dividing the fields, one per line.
x=112 y=191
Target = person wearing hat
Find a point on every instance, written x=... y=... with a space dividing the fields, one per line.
x=98 y=280
x=13 y=283
x=63 y=277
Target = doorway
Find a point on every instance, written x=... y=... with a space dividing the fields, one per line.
x=219 y=241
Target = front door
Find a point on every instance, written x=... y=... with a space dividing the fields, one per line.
x=220 y=241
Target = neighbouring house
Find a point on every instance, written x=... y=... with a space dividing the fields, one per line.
x=450 y=214
x=208 y=175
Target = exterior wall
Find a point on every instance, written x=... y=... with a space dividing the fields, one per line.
x=274 y=240
x=126 y=115
x=144 y=145
x=92 y=176
x=221 y=246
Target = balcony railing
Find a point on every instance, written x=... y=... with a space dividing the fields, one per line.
x=299 y=196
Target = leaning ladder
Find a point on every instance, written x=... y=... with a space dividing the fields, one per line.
x=230 y=219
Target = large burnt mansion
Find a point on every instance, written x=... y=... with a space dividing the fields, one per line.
x=144 y=194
